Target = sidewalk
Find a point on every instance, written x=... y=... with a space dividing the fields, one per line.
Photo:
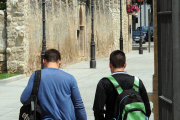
x=139 y=65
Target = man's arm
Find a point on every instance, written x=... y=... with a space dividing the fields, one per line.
x=99 y=102
x=145 y=99
x=77 y=101
x=27 y=91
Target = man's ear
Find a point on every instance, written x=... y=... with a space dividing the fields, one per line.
x=110 y=65
x=60 y=62
x=125 y=64
x=44 y=61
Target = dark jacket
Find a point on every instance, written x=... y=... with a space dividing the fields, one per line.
x=106 y=95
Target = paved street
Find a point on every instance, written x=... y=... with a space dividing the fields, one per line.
x=139 y=65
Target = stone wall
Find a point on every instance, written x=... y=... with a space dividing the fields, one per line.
x=2 y=42
x=126 y=25
x=68 y=29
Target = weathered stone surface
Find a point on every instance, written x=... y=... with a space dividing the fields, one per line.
x=2 y=57
x=2 y=42
x=15 y=19
x=3 y=66
x=8 y=9
x=1 y=14
x=10 y=42
x=2 y=49
x=21 y=33
x=18 y=28
x=20 y=49
x=19 y=14
x=12 y=66
x=21 y=68
x=11 y=57
x=14 y=23
x=8 y=50
x=15 y=3
x=13 y=49
x=20 y=57
x=21 y=19
x=9 y=18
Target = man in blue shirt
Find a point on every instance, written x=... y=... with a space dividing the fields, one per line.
x=58 y=95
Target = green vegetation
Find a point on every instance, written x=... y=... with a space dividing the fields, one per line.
x=7 y=75
x=2 y=4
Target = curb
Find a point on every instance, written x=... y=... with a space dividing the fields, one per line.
x=12 y=79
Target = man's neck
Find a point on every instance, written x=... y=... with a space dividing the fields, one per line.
x=52 y=65
x=118 y=70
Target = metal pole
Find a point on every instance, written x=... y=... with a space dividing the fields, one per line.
x=149 y=29
x=93 y=61
x=176 y=58
x=144 y=12
x=44 y=34
x=140 y=43
x=121 y=36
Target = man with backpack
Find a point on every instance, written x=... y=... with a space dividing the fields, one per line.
x=120 y=96
x=59 y=97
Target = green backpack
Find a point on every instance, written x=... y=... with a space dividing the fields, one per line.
x=129 y=104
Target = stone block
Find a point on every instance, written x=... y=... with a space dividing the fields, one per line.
x=18 y=28
x=10 y=42
x=14 y=24
x=19 y=14
x=8 y=9
x=21 y=33
x=2 y=49
x=10 y=36
x=15 y=19
x=13 y=49
x=20 y=49
x=9 y=18
x=3 y=67
x=8 y=50
x=21 y=68
x=15 y=3
x=1 y=28
x=12 y=66
x=21 y=19
x=20 y=57
x=2 y=57
x=21 y=23
x=21 y=0
x=11 y=57
x=1 y=14
x=20 y=9
x=9 y=29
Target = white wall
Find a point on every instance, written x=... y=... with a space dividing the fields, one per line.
x=142 y=15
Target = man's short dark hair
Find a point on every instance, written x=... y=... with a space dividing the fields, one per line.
x=52 y=55
x=117 y=59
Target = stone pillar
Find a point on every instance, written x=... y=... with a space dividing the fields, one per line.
x=154 y=97
x=15 y=36
x=2 y=42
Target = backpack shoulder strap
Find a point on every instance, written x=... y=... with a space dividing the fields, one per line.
x=37 y=80
x=115 y=83
x=35 y=90
x=136 y=84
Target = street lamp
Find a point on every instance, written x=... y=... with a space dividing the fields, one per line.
x=140 y=43
x=93 y=61
x=44 y=34
x=121 y=36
